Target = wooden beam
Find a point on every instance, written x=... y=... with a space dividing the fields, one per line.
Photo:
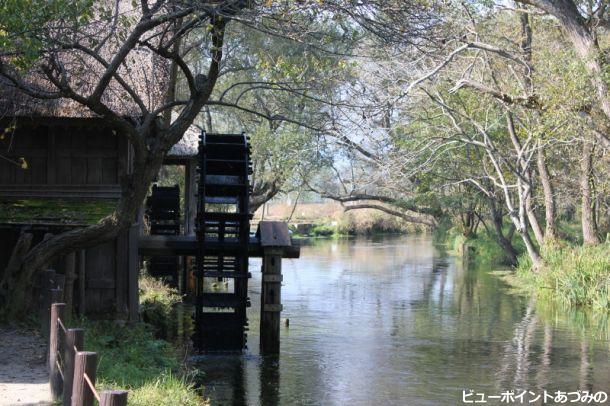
x=151 y=245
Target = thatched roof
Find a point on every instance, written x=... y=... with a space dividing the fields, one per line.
x=188 y=146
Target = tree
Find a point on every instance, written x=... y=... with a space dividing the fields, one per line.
x=582 y=32
x=89 y=58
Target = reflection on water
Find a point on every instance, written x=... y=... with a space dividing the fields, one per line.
x=398 y=321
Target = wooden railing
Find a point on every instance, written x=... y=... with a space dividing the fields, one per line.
x=72 y=371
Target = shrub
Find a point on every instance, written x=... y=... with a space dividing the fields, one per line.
x=157 y=306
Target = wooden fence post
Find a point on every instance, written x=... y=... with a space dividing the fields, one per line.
x=55 y=333
x=56 y=296
x=86 y=363
x=75 y=338
x=113 y=398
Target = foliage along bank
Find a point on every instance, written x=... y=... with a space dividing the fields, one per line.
x=141 y=357
x=573 y=275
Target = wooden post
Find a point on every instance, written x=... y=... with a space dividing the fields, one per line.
x=271 y=301
x=86 y=363
x=75 y=339
x=55 y=346
x=274 y=239
x=70 y=269
x=133 y=273
x=81 y=282
x=46 y=284
x=113 y=398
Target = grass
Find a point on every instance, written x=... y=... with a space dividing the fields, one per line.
x=131 y=358
x=487 y=249
x=139 y=358
x=157 y=306
x=575 y=276
x=362 y=222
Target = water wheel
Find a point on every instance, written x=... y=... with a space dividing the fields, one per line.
x=223 y=222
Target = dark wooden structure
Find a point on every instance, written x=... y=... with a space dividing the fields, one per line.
x=68 y=162
x=163 y=213
x=223 y=218
x=274 y=239
x=222 y=246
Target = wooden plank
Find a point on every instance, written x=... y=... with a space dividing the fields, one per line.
x=113 y=398
x=94 y=171
x=162 y=245
x=271 y=301
x=274 y=234
x=122 y=272
x=109 y=171
x=60 y=191
x=55 y=348
x=38 y=171
x=64 y=170
x=79 y=170
x=81 y=281
x=85 y=365
x=51 y=156
x=75 y=341
x=133 y=273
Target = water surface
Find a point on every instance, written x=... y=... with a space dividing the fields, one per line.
x=397 y=321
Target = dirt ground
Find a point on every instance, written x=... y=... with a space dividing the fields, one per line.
x=23 y=373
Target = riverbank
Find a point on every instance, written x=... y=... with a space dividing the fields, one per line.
x=329 y=219
x=572 y=275
x=138 y=357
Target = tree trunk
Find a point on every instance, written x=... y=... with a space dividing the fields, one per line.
x=550 y=230
x=533 y=220
x=589 y=227
x=504 y=242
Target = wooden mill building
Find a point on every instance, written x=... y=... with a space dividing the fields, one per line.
x=60 y=169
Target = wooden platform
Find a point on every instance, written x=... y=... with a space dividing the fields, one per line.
x=151 y=245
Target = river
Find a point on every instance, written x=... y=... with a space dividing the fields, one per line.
x=398 y=321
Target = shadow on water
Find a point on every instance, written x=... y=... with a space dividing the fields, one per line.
x=397 y=321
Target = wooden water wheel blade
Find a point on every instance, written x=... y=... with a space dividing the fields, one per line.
x=231 y=275
x=211 y=138
x=223 y=180
x=233 y=190
x=213 y=217
x=226 y=167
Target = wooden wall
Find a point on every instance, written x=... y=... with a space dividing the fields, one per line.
x=66 y=158
x=72 y=159
x=107 y=273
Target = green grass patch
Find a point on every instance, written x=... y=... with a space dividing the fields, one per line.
x=140 y=357
x=487 y=249
x=131 y=358
x=572 y=276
